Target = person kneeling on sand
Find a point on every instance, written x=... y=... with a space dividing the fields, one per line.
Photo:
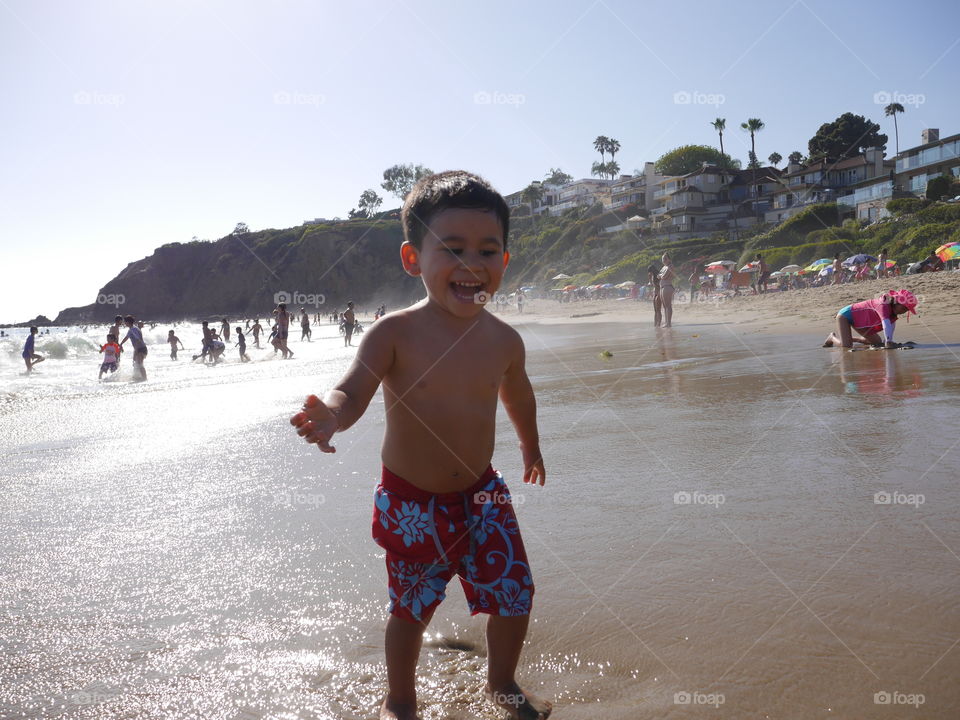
x=869 y=318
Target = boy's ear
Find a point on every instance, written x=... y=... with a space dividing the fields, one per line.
x=506 y=259
x=410 y=257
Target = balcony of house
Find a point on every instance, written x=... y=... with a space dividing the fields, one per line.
x=877 y=191
x=939 y=153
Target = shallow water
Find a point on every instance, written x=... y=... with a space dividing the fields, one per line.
x=709 y=527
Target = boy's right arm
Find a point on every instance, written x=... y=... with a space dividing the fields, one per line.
x=342 y=406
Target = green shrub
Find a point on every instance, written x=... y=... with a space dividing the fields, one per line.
x=940 y=213
x=904 y=206
x=795 y=229
x=937 y=187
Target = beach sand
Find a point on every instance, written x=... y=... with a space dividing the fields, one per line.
x=809 y=311
x=710 y=538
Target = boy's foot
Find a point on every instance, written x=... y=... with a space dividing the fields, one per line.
x=518 y=702
x=398 y=711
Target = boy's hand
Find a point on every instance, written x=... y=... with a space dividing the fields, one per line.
x=533 y=469
x=316 y=424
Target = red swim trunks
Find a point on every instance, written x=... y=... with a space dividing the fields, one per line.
x=431 y=537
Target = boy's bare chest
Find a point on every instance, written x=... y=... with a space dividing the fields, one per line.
x=449 y=368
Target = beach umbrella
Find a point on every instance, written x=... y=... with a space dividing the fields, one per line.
x=819 y=264
x=606 y=285
x=626 y=284
x=889 y=264
x=728 y=264
x=859 y=258
x=570 y=287
x=950 y=251
x=750 y=267
x=561 y=276
x=826 y=271
x=791 y=269
x=777 y=273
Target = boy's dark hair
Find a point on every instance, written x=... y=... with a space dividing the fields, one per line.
x=118 y=318
x=111 y=337
x=449 y=189
x=130 y=319
x=34 y=329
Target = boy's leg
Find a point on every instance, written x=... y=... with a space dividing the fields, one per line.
x=505 y=636
x=402 y=642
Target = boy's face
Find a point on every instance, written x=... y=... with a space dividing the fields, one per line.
x=461 y=260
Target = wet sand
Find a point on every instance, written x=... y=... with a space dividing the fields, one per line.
x=736 y=523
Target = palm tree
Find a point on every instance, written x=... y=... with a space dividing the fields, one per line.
x=598 y=169
x=600 y=145
x=720 y=124
x=795 y=158
x=531 y=194
x=893 y=109
x=613 y=147
x=775 y=158
x=753 y=126
x=613 y=169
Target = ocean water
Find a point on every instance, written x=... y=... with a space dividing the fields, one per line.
x=733 y=525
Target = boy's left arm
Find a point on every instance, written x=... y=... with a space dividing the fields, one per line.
x=518 y=400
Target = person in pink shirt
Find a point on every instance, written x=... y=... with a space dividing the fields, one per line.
x=871 y=317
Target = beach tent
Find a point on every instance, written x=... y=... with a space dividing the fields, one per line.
x=788 y=269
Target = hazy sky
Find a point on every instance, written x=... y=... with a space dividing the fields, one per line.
x=128 y=125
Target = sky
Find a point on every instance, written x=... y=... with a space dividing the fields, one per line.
x=129 y=125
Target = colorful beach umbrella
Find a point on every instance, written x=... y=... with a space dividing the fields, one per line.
x=828 y=270
x=787 y=269
x=819 y=264
x=750 y=267
x=950 y=251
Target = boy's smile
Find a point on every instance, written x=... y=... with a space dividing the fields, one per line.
x=461 y=259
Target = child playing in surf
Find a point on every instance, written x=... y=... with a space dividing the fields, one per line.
x=173 y=340
x=30 y=357
x=135 y=336
x=242 y=344
x=443 y=362
x=111 y=354
x=869 y=318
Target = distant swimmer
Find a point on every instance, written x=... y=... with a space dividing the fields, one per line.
x=30 y=357
x=305 y=332
x=283 y=328
x=242 y=344
x=173 y=340
x=869 y=318
x=111 y=356
x=256 y=330
x=225 y=330
x=349 y=322
x=135 y=336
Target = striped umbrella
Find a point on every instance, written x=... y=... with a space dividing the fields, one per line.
x=819 y=264
x=950 y=251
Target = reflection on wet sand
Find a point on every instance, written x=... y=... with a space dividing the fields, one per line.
x=879 y=372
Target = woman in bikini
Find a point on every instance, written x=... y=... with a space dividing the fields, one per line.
x=667 y=276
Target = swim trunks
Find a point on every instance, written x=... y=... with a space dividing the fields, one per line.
x=430 y=537
x=108 y=366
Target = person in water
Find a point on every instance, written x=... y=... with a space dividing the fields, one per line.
x=135 y=336
x=871 y=317
x=173 y=340
x=111 y=354
x=30 y=357
x=242 y=344
x=441 y=509
x=256 y=330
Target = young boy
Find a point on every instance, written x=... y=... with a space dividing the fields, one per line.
x=256 y=330
x=111 y=353
x=135 y=336
x=443 y=362
x=173 y=340
x=242 y=344
x=30 y=357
